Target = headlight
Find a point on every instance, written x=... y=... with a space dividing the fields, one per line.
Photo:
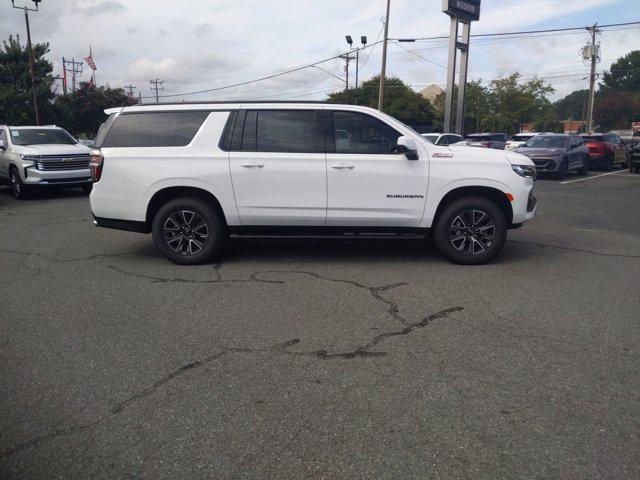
x=525 y=170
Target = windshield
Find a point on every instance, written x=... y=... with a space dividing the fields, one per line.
x=479 y=137
x=430 y=138
x=521 y=138
x=543 y=141
x=40 y=136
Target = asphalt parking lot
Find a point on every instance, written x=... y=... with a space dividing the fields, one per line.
x=320 y=358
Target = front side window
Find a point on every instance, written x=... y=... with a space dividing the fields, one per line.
x=283 y=131
x=361 y=133
x=154 y=129
x=40 y=136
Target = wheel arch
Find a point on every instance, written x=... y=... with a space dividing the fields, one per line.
x=166 y=194
x=490 y=193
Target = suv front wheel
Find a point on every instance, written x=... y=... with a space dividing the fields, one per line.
x=18 y=188
x=470 y=230
x=188 y=231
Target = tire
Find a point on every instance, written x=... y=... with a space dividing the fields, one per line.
x=584 y=169
x=18 y=188
x=173 y=223
x=459 y=226
x=564 y=169
x=86 y=189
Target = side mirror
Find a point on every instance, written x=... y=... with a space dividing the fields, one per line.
x=408 y=147
x=3 y=147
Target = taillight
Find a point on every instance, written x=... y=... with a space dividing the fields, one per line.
x=97 y=161
x=486 y=144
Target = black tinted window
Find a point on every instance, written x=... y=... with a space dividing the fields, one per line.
x=154 y=129
x=360 y=133
x=284 y=131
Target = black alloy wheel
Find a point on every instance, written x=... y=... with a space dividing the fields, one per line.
x=470 y=230
x=188 y=231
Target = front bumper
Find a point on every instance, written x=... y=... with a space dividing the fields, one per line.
x=66 y=178
x=546 y=164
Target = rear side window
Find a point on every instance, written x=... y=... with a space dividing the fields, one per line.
x=356 y=132
x=282 y=131
x=154 y=129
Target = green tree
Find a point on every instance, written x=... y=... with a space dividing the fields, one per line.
x=616 y=110
x=16 y=99
x=82 y=111
x=624 y=74
x=400 y=101
x=573 y=106
x=474 y=106
x=511 y=105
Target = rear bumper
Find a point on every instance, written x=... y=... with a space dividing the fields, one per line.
x=598 y=159
x=126 y=225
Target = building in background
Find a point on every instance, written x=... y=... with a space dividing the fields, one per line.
x=431 y=92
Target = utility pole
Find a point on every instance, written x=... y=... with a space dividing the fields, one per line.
x=64 y=76
x=591 y=52
x=156 y=85
x=131 y=88
x=139 y=98
x=383 y=71
x=75 y=68
x=347 y=58
x=31 y=70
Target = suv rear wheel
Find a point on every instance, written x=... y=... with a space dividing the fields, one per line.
x=188 y=231
x=470 y=230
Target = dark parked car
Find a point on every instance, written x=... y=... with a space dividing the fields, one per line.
x=488 y=140
x=633 y=157
x=606 y=150
x=557 y=154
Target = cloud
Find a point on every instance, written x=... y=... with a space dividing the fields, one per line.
x=203 y=30
x=103 y=7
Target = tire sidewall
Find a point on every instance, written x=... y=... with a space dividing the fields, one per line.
x=23 y=193
x=207 y=213
x=441 y=230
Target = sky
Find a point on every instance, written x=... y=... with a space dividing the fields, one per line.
x=203 y=44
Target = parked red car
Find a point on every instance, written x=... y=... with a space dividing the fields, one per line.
x=605 y=150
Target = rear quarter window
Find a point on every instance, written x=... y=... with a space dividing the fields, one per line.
x=154 y=129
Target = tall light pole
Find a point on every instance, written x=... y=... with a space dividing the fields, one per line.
x=31 y=71
x=383 y=70
x=363 y=40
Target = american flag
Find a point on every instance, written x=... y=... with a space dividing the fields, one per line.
x=90 y=62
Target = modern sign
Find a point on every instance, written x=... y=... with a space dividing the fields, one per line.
x=463 y=10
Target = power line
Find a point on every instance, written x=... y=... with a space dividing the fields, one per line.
x=526 y=32
x=267 y=77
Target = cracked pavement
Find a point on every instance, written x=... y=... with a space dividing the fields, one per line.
x=322 y=358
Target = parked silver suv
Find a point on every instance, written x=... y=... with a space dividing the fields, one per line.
x=42 y=157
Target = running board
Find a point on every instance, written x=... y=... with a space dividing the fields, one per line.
x=327 y=232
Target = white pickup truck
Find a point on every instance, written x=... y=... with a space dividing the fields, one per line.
x=193 y=174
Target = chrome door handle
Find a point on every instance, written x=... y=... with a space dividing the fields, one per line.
x=252 y=164
x=348 y=166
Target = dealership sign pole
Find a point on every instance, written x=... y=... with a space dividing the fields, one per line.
x=465 y=11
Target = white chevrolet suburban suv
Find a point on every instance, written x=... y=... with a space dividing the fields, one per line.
x=33 y=157
x=193 y=174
